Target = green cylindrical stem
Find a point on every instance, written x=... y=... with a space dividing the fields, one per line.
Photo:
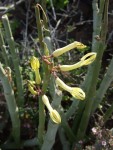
x=108 y=113
x=3 y=47
x=41 y=121
x=108 y=78
x=78 y=116
x=15 y=60
x=11 y=103
x=93 y=73
x=50 y=136
x=72 y=109
x=67 y=129
x=86 y=113
x=65 y=143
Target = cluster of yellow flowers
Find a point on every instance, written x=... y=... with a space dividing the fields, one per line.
x=76 y=92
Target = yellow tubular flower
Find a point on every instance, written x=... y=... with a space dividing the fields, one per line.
x=77 y=93
x=32 y=83
x=85 y=60
x=34 y=63
x=31 y=89
x=88 y=58
x=46 y=102
x=74 y=91
x=70 y=67
x=54 y=115
x=62 y=50
x=80 y=46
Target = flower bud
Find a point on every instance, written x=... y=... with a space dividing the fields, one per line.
x=32 y=83
x=54 y=115
x=31 y=89
x=35 y=66
x=34 y=63
x=74 y=91
x=62 y=50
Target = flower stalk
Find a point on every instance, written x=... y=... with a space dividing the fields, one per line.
x=46 y=74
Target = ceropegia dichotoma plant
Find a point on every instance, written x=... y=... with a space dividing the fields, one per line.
x=48 y=86
x=50 y=70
